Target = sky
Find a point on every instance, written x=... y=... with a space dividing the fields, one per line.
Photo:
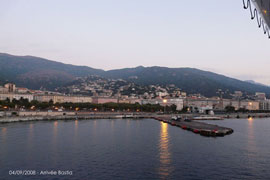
x=212 y=35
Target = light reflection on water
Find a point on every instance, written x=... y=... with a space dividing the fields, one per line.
x=251 y=148
x=3 y=131
x=164 y=152
x=76 y=127
x=3 y=134
x=55 y=133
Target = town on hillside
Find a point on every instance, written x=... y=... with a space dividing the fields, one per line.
x=102 y=91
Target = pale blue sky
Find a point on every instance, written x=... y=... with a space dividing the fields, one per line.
x=207 y=34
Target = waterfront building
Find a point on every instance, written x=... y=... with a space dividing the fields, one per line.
x=102 y=100
x=217 y=103
x=63 y=99
x=264 y=105
x=249 y=105
x=22 y=90
x=3 y=89
x=128 y=100
x=201 y=102
x=179 y=102
x=11 y=87
x=12 y=96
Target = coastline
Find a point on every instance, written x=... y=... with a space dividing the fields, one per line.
x=53 y=116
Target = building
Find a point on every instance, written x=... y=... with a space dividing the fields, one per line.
x=264 y=105
x=179 y=102
x=196 y=103
x=102 y=100
x=3 y=89
x=221 y=104
x=243 y=104
x=260 y=96
x=238 y=94
x=11 y=87
x=22 y=90
x=128 y=100
x=12 y=96
x=249 y=105
x=63 y=99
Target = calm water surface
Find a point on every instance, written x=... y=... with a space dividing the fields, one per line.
x=135 y=149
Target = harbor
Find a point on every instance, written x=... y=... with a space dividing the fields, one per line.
x=189 y=123
x=201 y=128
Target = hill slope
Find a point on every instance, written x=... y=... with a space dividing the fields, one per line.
x=33 y=72
x=188 y=79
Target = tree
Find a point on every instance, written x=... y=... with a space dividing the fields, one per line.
x=230 y=108
x=173 y=107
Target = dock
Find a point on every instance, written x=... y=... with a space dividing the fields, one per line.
x=201 y=128
x=86 y=116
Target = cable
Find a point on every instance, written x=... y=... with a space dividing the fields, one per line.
x=254 y=14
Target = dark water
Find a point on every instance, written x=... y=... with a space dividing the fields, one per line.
x=134 y=149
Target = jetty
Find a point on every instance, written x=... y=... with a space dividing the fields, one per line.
x=201 y=128
x=81 y=116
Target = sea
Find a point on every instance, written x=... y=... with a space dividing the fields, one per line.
x=108 y=149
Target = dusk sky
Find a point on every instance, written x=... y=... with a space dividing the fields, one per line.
x=212 y=35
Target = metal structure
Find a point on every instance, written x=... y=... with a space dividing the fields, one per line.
x=261 y=12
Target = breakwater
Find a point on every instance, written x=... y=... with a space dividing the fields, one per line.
x=201 y=128
x=6 y=117
x=72 y=117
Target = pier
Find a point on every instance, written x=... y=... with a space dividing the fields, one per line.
x=84 y=116
x=201 y=128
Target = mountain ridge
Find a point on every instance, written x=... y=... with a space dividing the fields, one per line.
x=40 y=73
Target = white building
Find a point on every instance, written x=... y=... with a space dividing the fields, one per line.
x=3 y=89
x=10 y=96
x=264 y=105
x=11 y=87
x=166 y=102
x=63 y=99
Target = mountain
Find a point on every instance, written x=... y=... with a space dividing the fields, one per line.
x=254 y=82
x=188 y=79
x=35 y=73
